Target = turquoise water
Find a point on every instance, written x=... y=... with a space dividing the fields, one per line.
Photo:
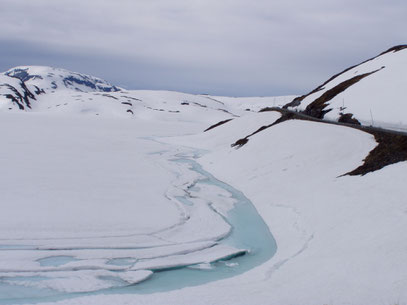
x=125 y=261
x=17 y=294
x=56 y=261
x=248 y=232
x=16 y=247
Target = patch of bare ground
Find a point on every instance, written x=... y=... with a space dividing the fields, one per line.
x=394 y=49
x=391 y=148
x=348 y=119
x=217 y=124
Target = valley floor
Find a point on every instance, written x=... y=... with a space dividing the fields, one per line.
x=102 y=186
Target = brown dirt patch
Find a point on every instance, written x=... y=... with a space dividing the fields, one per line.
x=392 y=148
x=217 y=124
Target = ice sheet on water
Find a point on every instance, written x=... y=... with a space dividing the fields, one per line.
x=55 y=261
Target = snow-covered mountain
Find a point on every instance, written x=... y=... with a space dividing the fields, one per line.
x=48 y=79
x=23 y=85
x=371 y=93
x=114 y=196
x=46 y=89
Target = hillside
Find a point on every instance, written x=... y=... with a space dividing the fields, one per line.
x=115 y=196
x=52 y=90
x=372 y=93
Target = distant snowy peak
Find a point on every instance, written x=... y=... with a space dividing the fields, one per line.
x=21 y=86
x=371 y=93
x=48 y=78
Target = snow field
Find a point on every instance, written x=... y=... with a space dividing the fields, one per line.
x=96 y=197
x=96 y=191
x=338 y=237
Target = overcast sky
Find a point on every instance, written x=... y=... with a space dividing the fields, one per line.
x=224 y=47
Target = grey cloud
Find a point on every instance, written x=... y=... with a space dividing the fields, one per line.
x=229 y=47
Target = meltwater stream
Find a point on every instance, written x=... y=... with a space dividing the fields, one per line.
x=248 y=232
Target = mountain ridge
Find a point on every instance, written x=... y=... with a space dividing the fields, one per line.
x=369 y=93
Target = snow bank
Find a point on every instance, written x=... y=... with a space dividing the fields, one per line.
x=378 y=99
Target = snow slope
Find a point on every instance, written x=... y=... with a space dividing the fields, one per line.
x=342 y=235
x=377 y=98
x=47 y=89
x=96 y=199
x=340 y=239
x=92 y=191
x=97 y=195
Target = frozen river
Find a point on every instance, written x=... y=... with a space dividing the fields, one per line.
x=229 y=239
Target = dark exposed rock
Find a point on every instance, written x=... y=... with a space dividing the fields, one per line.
x=395 y=49
x=110 y=96
x=240 y=143
x=20 y=97
x=15 y=100
x=391 y=148
x=39 y=91
x=22 y=74
x=217 y=124
x=84 y=80
x=348 y=119
x=132 y=98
